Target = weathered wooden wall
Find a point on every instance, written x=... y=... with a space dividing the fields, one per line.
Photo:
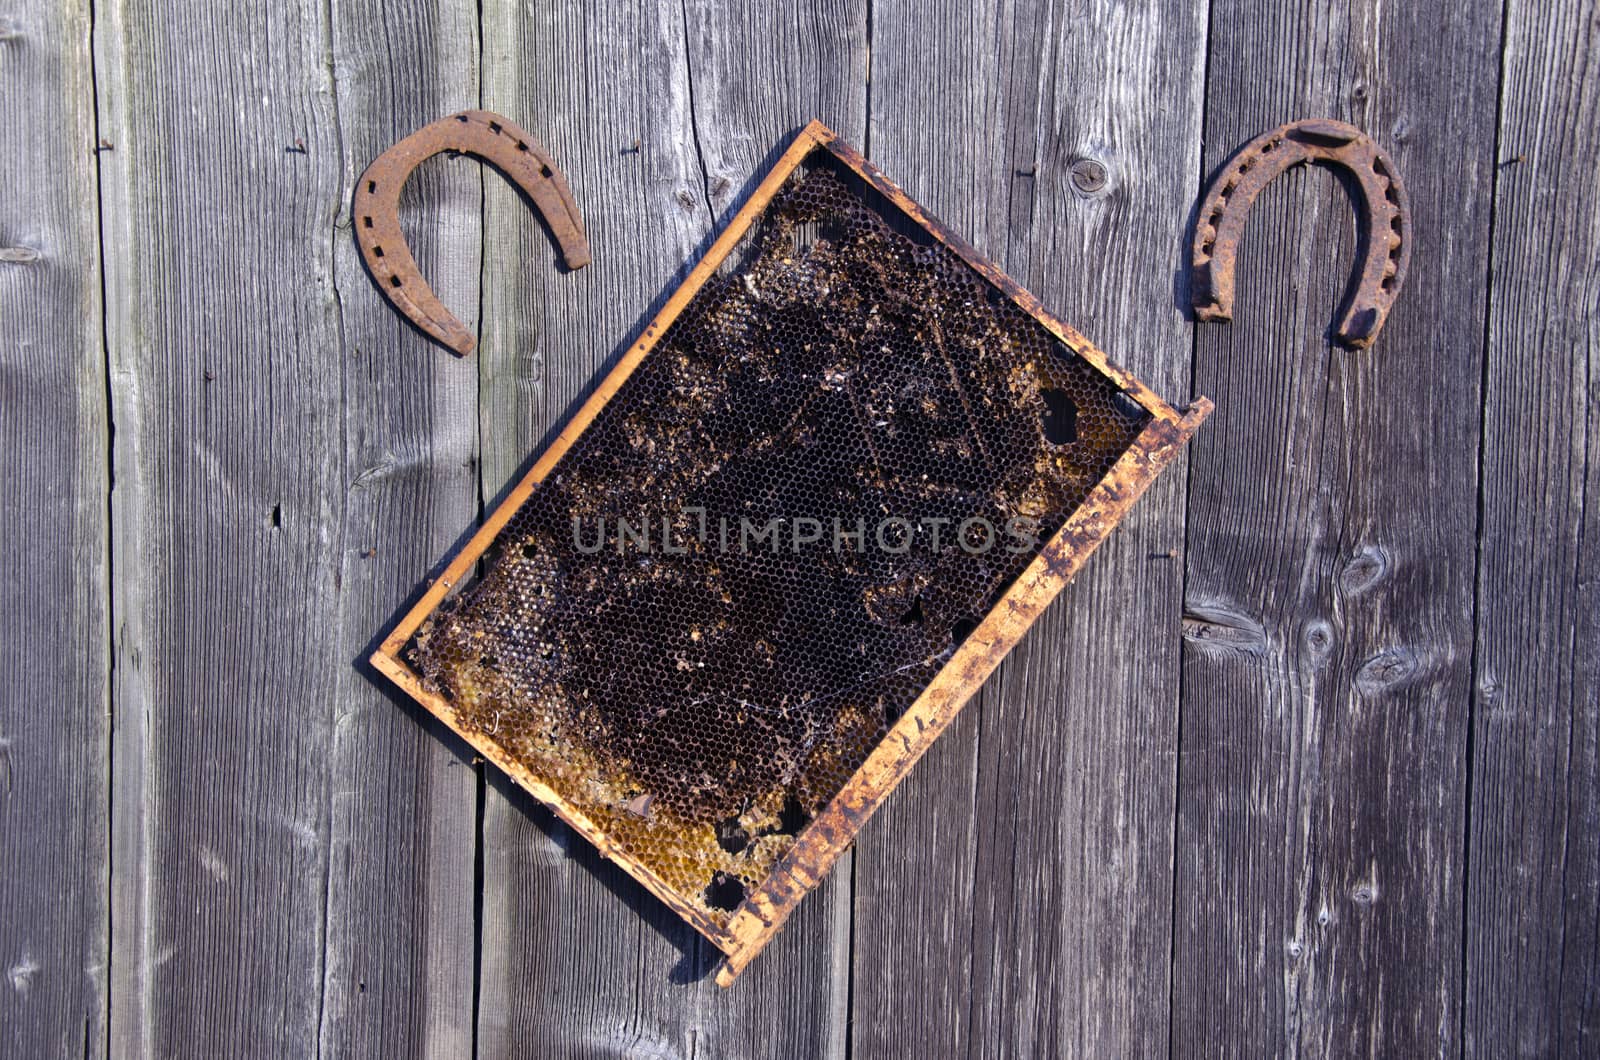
x=1306 y=762
x=1323 y=771
x=55 y=640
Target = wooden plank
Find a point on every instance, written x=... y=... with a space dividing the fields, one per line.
x=1077 y=774
x=292 y=855
x=1533 y=885
x=1322 y=778
x=1034 y=842
x=660 y=116
x=400 y=940
x=936 y=88
x=54 y=728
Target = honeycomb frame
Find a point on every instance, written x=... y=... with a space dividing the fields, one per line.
x=817 y=845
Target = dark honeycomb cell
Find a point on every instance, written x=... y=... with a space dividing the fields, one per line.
x=641 y=647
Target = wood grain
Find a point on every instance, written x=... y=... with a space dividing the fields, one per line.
x=1387 y=742
x=671 y=110
x=546 y=335
x=1533 y=883
x=1035 y=840
x=399 y=947
x=937 y=86
x=292 y=857
x=1077 y=768
x=55 y=660
x=1333 y=501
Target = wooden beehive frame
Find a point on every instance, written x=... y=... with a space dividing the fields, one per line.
x=817 y=846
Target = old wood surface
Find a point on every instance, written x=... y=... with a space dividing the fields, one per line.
x=1533 y=836
x=1304 y=763
x=1322 y=777
x=54 y=636
x=1045 y=813
x=292 y=853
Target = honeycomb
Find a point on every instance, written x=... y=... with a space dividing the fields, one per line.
x=656 y=635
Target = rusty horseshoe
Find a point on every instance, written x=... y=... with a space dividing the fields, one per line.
x=1385 y=217
x=496 y=140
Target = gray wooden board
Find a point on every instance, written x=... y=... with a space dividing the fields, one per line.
x=660 y=116
x=1013 y=897
x=1361 y=818
x=224 y=343
x=572 y=950
x=755 y=81
x=399 y=962
x=932 y=130
x=54 y=636
x=1533 y=885
x=292 y=853
x=1077 y=766
x=1329 y=597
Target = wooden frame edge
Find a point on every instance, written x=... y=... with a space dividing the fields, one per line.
x=820 y=843
x=402 y=675
x=816 y=848
x=1025 y=299
x=387 y=659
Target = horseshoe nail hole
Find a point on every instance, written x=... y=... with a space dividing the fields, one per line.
x=544 y=170
x=461 y=118
x=1060 y=417
x=366 y=222
x=725 y=892
x=1388 y=283
x=494 y=127
x=522 y=145
x=394 y=281
x=1205 y=248
x=372 y=186
x=377 y=251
